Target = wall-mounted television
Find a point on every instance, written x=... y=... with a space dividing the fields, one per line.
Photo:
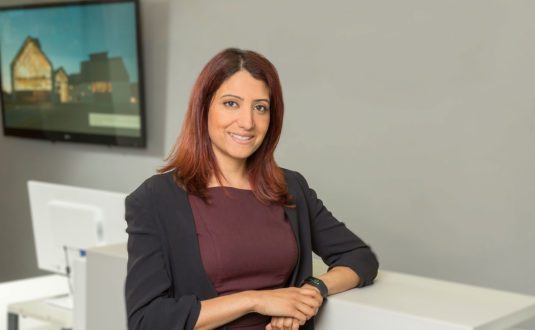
x=72 y=71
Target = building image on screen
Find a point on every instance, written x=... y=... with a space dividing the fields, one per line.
x=72 y=72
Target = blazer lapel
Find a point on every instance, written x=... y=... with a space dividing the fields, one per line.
x=292 y=216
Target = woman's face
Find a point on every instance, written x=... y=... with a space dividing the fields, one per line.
x=238 y=118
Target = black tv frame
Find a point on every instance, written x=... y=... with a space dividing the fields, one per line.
x=66 y=136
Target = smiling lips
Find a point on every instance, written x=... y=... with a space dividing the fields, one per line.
x=241 y=139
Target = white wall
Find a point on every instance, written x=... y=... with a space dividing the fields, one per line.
x=414 y=121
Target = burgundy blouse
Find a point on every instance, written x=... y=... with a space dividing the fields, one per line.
x=244 y=245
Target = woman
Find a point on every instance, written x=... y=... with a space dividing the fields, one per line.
x=222 y=237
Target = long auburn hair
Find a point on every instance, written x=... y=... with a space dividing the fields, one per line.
x=192 y=158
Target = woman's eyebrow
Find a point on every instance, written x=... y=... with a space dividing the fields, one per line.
x=241 y=98
x=236 y=96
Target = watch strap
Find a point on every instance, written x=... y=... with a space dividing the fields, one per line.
x=317 y=283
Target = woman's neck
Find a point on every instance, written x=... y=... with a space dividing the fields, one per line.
x=234 y=175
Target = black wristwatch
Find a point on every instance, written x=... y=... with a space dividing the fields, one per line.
x=316 y=282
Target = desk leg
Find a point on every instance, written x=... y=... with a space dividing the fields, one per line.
x=12 y=321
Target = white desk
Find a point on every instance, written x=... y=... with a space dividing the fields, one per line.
x=29 y=289
x=53 y=316
x=396 y=301
x=406 y=302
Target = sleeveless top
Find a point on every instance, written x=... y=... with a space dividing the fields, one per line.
x=244 y=245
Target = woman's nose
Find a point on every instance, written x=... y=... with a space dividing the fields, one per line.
x=246 y=118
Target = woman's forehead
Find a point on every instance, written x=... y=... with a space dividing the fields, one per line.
x=243 y=84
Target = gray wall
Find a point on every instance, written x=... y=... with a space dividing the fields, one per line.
x=413 y=120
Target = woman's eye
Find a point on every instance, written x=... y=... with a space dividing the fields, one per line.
x=261 y=108
x=231 y=104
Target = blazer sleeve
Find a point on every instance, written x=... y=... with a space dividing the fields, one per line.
x=334 y=242
x=148 y=289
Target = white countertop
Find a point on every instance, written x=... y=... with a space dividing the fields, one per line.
x=402 y=301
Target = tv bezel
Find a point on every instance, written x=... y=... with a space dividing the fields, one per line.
x=69 y=136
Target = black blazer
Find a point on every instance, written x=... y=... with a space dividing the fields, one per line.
x=166 y=280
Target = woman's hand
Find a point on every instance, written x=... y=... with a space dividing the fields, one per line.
x=296 y=303
x=290 y=323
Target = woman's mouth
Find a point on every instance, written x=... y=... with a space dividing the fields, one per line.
x=241 y=139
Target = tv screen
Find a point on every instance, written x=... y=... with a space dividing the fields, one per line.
x=72 y=72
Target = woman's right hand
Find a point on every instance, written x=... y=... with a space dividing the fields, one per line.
x=298 y=303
